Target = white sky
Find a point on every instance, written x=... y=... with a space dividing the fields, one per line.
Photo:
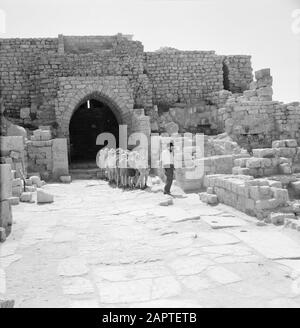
x=261 y=28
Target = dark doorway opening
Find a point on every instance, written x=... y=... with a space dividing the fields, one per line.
x=88 y=121
x=226 y=83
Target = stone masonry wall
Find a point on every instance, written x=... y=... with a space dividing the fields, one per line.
x=183 y=76
x=30 y=70
x=237 y=72
x=255 y=119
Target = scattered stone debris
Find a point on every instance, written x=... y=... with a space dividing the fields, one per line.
x=208 y=198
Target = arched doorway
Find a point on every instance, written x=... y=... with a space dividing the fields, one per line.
x=89 y=119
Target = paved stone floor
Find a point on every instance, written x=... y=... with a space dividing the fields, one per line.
x=98 y=246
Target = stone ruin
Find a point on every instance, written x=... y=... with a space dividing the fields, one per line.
x=59 y=93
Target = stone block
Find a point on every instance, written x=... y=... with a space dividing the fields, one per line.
x=279 y=218
x=45 y=135
x=265 y=91
x=30 y=188
x=14 y=200
x=212 y=199
x=254 y=192
x=25 y=113
x=266 y=162
x=266 y=81
x=265 y=72
x=278 y=144
x=210 y=190
x=28 y=182
x=65 y=179
x=291 y=143
x=296 y=187
x=275 y=184
x=280 y=194
x=17 y=191
x=266 y=204
x=240 y=162
x=44 y=197
x=285 y=168
x=26 y=197
x=36 y=180
x=264 y=152
x=287 y=152
x=166 y=202
x=253 y=163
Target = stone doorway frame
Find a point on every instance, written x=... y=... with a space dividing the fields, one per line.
x=114 y=91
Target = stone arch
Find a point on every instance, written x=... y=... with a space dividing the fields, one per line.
x=117 y=105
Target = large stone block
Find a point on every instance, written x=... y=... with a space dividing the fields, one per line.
x=264 y=152
x=5 y=181
x=265 y=72
x=44 y=197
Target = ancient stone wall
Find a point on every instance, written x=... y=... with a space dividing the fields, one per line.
x=237 y=72
x=183 y=76
x=254 y=120
x=31 y=69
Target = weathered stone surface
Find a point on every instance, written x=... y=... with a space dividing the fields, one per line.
x=72 y=266
x=272 y=245
x=222 y=275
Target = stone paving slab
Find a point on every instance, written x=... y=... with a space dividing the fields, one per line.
x=271 y=244
x=220 y=222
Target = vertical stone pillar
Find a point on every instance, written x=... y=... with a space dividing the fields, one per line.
x=60 y=158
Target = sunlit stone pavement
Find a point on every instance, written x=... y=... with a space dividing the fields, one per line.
x=98 y=246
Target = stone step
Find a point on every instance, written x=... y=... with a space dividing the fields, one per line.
x=83 y=174
x=83 y=165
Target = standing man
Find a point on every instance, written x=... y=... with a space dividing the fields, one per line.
x=168 y=165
